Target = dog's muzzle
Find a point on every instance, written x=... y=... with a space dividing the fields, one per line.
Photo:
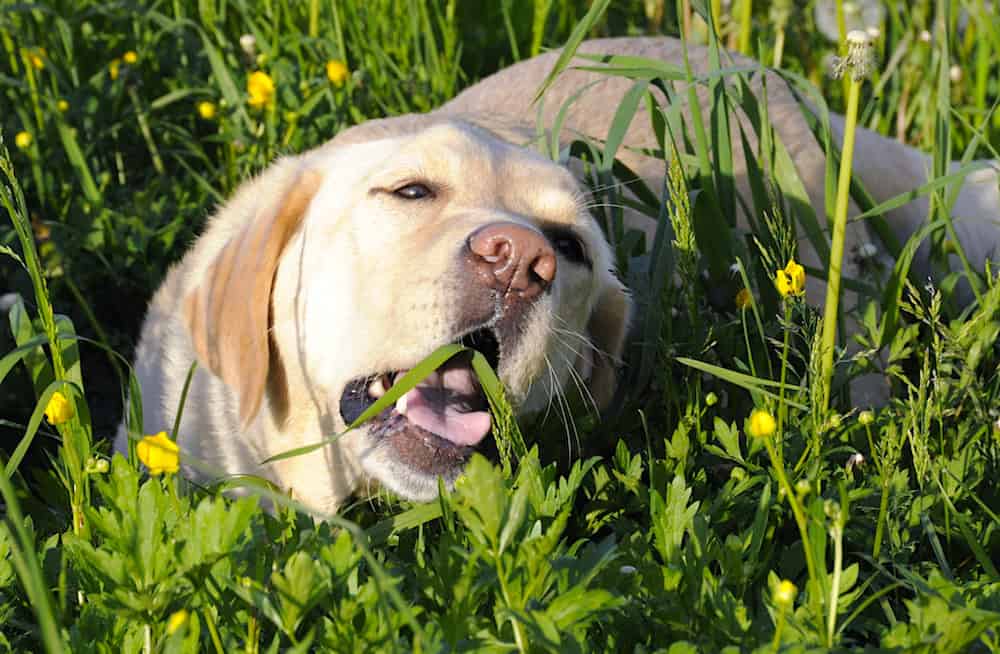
x=434 y=428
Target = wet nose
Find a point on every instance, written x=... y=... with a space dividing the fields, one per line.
x=513 y=257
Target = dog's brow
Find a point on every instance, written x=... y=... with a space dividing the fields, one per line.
x=555 y=204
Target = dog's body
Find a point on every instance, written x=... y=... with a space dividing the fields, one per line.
x=337 y=269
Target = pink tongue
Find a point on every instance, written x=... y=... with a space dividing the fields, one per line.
x=424 y=407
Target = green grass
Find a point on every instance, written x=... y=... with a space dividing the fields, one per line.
x=675 y=529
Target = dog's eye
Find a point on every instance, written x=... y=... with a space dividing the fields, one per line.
x=414 y=191
x=569 y=246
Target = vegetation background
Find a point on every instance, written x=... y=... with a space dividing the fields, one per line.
x=845 y=528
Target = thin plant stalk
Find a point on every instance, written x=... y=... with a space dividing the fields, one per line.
x=842 y=36
x=779 y=46
x=782 y=408
x=837 y=533
x=858 y=62
x=776 y=642
x=147 y=134
x=746 y=14
x=800 y=517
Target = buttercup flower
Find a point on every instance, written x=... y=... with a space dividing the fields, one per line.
x=59 y=409
x=206 y=110
x=62 y=106
x=23 y=140
x=744 y=299
x=866 y=418
x=762 y=424
x=260 y=86
x=176 y=621
x=159 y=454
x=336 y=71
x=113 y=68
x=791 y=280
x=130 y=57
x=37 y=58
x=784 y=594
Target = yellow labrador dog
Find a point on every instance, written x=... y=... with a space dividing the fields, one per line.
x=335 y=271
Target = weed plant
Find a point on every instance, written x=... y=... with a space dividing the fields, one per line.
x=722 y=505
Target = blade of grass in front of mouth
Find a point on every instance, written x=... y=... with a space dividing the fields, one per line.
x=402 y=386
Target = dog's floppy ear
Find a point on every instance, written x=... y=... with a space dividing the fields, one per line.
x=607 y=329
x=228 y=312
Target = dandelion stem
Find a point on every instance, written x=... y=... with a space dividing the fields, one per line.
x=779 y=46
x=829 y=336
x=746 y=14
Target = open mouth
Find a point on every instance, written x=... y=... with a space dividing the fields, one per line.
x=436 y=426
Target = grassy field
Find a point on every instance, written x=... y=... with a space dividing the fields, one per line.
x=720 y=506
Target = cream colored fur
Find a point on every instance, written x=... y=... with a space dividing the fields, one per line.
x=361 y=283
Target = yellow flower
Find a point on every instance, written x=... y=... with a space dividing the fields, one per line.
x=159 y=454
x=36 y=57
x=62 y=106
x=23 y=140
x=784 y=594
x=260 y=86
x=206 y=110
x=130 y=57
x=176 y=621
x=791 y=280
x=744 y=299
x=336 y=71
x=113 y=68
x=762 y=424
x=59 y=409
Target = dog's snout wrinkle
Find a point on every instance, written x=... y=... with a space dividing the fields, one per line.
x=514 y=258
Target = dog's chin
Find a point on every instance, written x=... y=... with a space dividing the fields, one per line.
x=429 y=434
x=410 y=461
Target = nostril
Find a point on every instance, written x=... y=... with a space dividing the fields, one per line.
x=544 y=267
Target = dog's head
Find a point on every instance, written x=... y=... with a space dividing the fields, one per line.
x=389 y=242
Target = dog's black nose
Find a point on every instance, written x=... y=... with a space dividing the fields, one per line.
x=513 y=258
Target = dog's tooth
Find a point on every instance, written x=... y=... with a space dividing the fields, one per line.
x=377 y=388
x=401 y=404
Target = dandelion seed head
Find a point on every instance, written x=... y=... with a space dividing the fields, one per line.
x=248 y=43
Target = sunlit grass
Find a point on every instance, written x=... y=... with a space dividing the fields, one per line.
x=734 y=499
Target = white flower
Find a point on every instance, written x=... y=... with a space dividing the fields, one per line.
x=925 y=36
x=856 y=460
x=955 y=73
